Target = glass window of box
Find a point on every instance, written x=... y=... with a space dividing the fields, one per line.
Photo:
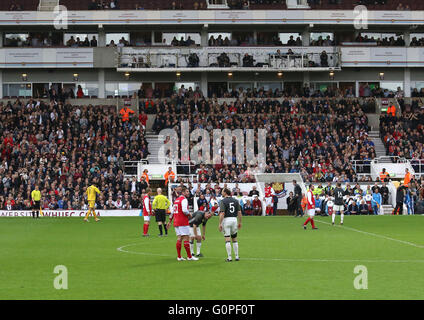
x=81 y=39
x=290 y=38
x=17 y=89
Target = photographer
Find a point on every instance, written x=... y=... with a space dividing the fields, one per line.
x=248 y=60
x=223 y=60
x=324 y=59
x=193 y=60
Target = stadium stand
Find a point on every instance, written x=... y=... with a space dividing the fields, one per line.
x=61 y=148
x=321 y=151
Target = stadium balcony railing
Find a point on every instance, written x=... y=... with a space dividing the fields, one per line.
x=186 y=4
x=175 y=57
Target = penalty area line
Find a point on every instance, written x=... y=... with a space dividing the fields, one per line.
x=376 y=235
x=122 y=249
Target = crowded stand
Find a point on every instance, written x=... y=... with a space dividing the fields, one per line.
x=403 y=134
x=61 y=147
x=315 y=138
x=357 y=199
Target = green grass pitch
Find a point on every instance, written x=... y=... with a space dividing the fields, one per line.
x=279 y=260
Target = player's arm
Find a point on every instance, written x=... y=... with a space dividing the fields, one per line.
x=171 y=217
x=146 y=204
x=184 y=205
x=168 y=203
x=155 y=203
x=221 y=218
x=203 y=231
x=195 y=230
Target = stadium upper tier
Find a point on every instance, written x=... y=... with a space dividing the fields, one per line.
x=30 y=5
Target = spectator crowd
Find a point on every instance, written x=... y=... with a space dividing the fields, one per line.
x=60 y=148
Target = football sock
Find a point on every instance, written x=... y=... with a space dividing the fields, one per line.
x=313 y=224
x=198 y=246
x=333 y=217
x=191 y=246
x=87 y=215
x=342 y=216
x=94 y=214
x=228 y=247
x=179 y=248
x=33 y=214
x=160 y=229
x=187 y=248
x=235 y=247
x=307 y=221
x=164 y=227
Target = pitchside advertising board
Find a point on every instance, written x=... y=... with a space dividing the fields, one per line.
x=71 y=213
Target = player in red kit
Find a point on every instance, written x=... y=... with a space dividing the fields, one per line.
x=181 y=215
x=147 y=212
x=310 y=208
x=269 y=192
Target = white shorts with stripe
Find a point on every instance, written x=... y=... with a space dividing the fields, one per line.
x=146 y=218
x=182 y=231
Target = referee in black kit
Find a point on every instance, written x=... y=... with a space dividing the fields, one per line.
x=36 y=198
x=230 y=222
x=160 y=205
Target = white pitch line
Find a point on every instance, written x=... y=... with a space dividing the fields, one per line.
x=376 y=235
x=121 y=249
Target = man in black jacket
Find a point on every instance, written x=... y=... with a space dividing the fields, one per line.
x=400 y=195
x=384 y=193
x=298 y=199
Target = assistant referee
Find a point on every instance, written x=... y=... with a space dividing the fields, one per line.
x=36 y=198
x=160 y=205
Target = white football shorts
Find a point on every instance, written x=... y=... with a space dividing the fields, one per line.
x=146 y=218
x=192 y=231
x=182 y=231
x=268 y=201
x=311 y=213
x=338 y=208
x=229 y=226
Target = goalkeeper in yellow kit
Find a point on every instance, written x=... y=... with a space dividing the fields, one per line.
x=92 y=192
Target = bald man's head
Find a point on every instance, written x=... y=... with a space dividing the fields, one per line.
x=159 y=191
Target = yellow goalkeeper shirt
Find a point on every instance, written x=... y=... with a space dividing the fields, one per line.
x=91 y=193
x=161 y=202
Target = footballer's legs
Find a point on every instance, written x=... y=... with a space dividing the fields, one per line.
x=87 y=214
x=160 y=228
x=146 y=226
x=235 y=246
x=179 y=249
x=341 y=216
x=187 y=246
x=198 y=245
x=333 y=216
x=228 y=248
x=192 y=245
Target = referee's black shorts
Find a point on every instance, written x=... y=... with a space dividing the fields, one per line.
x=160 y=215
x=36 y=205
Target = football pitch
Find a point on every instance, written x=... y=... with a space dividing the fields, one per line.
x=279 y=260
